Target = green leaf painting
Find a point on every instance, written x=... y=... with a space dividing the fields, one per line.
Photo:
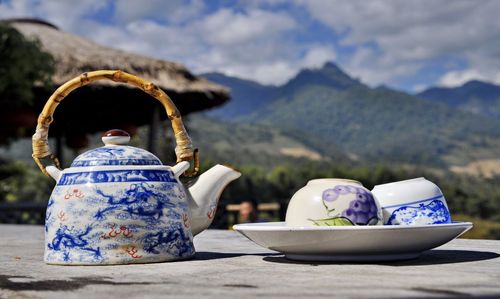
x=336 y=221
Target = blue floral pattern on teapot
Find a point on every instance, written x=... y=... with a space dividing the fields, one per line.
x=116 y=155
x=126 y=223
x=118 y=205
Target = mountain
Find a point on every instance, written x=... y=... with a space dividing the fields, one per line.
x=474 y=96
x=330 y=112
x=329 y=75
x=246 y=96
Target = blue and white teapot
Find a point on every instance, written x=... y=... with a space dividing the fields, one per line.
x=118 y=204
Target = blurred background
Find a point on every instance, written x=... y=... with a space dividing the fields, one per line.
x=284 y=91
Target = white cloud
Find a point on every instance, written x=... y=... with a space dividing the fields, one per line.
x=317 y=55
x=419 y=87
x=248 y=44
x=266 y=73
x=172 y=11
x=246 y=41
x=14 y=9
x=410 y=33
x=257 y=40
x=68 y=15
x=227 y=28
x=457 y=78
x=367 y=64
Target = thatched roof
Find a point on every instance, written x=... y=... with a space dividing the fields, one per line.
x=104 y=105
x=75 y=55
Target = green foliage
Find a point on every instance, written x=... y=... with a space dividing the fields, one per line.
x=472 y=196
x=20 y=181
x=269 y=176
x=482 y=229
x=478 y=198
x=243 y=144
x=378 y=125
x=22 y=66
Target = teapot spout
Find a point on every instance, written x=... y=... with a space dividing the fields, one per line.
x=54 y=172
x=205 y=193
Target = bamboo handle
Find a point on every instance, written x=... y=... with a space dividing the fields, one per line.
x=184 y=149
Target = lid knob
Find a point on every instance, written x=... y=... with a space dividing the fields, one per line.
x=115 y=137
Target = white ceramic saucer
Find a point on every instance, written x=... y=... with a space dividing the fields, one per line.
x=351 y=243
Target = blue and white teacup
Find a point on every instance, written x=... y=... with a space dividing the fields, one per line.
x=412 y=202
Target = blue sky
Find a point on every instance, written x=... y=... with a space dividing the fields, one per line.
x=407 y=45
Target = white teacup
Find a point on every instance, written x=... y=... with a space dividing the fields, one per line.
x=333 y=202
x=412 y=202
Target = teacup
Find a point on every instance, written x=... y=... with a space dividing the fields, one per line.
x=412 y=202
x=332 y=202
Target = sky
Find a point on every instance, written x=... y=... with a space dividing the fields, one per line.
x=407 y=45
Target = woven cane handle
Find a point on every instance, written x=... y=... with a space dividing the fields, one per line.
x=184 y=149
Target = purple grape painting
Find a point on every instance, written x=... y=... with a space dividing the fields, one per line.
x=361 y=208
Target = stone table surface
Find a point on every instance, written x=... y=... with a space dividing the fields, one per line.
x=227 y=265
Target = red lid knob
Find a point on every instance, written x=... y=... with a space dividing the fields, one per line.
x=115 y=137
x=115 y=132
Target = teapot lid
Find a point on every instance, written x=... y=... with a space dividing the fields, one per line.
x=115 y=152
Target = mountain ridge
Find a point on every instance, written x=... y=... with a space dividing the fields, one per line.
x=478 y=97
x=331 y=112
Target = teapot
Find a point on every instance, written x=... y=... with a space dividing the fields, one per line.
x=119 y=204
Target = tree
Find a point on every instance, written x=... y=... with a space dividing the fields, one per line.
x=24 y=66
